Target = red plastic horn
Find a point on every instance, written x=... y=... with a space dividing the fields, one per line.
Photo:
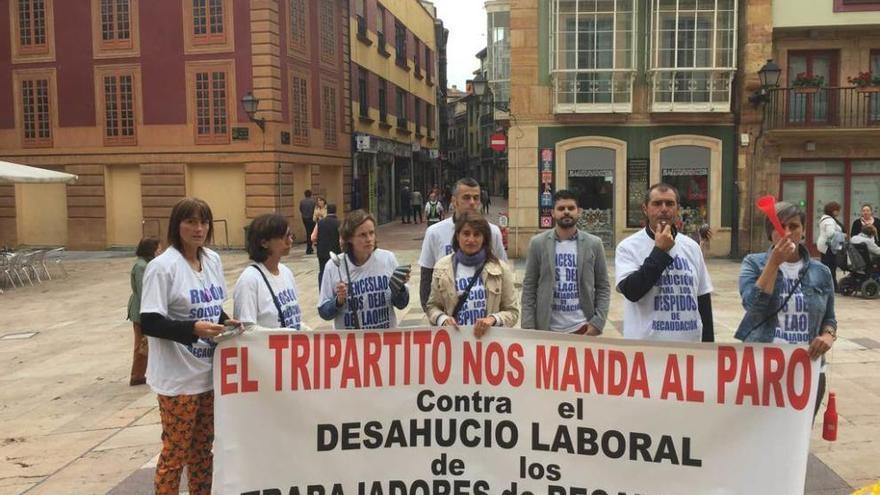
x=767 y=204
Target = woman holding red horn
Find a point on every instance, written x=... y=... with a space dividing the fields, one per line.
x=788 y=297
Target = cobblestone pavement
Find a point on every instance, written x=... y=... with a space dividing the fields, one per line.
x=69 y=422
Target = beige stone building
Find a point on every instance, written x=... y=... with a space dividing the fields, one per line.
x=143 y=100
x=814 y=138
x=610 y=96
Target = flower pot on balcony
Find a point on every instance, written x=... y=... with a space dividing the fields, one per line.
x=868 y=89
x=807 y=90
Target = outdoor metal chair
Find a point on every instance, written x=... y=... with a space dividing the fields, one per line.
x=38 y=265
x=15 y=266
x=6 y=270
x=57 y=256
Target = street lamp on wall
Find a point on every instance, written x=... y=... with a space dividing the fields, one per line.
x=250 y=104
x=769 y=77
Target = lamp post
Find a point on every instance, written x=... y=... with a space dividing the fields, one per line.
x=250 y=104
x=769 y=77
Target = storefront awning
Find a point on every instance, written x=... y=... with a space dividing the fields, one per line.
x=14 y=173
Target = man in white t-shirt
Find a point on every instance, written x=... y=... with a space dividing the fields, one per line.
x=438 y=237
x=663 y=277
x=565 y=288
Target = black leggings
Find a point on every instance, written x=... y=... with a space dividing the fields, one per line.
x=829 y=259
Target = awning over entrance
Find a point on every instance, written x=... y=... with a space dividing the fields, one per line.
x=14 y=173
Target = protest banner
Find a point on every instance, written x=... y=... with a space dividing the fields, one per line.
x=421 y=411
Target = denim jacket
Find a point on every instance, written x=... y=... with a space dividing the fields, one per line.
x=758 y=325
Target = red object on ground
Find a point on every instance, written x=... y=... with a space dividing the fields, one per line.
x=767 y=204
x=498 y=142
x=829 y=424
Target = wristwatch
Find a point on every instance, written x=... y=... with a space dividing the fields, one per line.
x=831 y=331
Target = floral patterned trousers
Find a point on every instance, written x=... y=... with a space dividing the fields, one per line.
x=187 y=437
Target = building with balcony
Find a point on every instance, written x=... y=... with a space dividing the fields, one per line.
x=143 y=100
x=394 y=102
x=815 y=136
x=610 y=96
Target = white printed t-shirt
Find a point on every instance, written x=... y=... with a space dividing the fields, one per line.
x=369 y=291
x=792 y=325
x=177 y=292
x=669 y=310
x=438 y=243
x=475 y=307
x=566 y=315
x=253 y=302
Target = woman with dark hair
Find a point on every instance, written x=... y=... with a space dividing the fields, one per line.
x=181 y=312
x=788 y=297
x=830 y=238
x=265 y=293
x=866 y=219
x=471 y=286
x=147 y=249
x=362 y=290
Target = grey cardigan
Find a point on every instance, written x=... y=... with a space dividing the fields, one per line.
x=540 y=280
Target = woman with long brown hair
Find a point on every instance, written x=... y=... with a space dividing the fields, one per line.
x=471 y=286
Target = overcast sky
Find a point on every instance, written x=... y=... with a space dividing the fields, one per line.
x=466 y=22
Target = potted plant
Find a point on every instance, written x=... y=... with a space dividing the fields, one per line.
x=866 y=82
x=807 y=83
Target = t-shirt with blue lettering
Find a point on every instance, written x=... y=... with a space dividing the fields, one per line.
x=369 y=295
x=438 y=243
x=668 y=311
x=566 y=315
x=792 y=321
x=475 y=307
x=176 y=291
x=252 y=301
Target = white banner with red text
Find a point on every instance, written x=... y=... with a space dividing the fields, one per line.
x=438 y=412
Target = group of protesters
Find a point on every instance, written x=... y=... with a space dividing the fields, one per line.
x=465 y=281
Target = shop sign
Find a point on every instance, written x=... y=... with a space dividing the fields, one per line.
x=545 y=189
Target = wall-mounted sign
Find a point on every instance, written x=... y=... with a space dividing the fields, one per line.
x=545 y=188
x=637 y=174
x=240 y=133
x=285 y=137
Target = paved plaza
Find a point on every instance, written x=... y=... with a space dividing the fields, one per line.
x=70 y=423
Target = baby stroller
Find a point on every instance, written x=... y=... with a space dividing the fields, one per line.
x=864 y=273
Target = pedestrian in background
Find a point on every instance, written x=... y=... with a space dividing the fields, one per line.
x=405 y=203
x=831 y=238
x=147 y=249
x=307 y=211
x=788 y=297
x=433 y=210
x=320 y=212
x=565 y=287
x=417 y=202
x=181 y=312
x=485 y=200
x=266 y=293
x=471 y=286
x=326 y=239
x=866 y=219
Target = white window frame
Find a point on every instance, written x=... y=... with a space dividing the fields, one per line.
x=626 y=74
x=498 y=59
x=717 y=74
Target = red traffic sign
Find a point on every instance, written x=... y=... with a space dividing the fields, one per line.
x=498 y=142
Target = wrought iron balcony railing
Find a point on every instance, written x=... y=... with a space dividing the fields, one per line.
x=825 y=107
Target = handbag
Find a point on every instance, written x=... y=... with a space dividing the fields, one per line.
x=274 y=299
x=464 y=296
